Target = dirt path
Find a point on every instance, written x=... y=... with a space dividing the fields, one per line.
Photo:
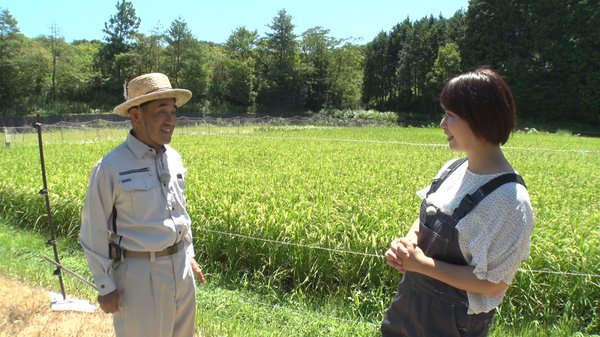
x=25 y=311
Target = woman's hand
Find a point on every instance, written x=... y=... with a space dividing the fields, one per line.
x=397 y=253
x=411 y=255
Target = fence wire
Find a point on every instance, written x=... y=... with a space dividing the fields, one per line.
x=344 y=251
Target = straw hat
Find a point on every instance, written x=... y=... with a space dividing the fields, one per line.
x=150 y=87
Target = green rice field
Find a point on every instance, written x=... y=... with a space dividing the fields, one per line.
x=305 y=213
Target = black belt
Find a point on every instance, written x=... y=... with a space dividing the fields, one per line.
x=165 y=252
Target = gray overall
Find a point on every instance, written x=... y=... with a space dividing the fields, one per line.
x=423 y=306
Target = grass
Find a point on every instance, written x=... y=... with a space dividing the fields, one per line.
x=31 y=315
x=344 y=189
x=221 y=311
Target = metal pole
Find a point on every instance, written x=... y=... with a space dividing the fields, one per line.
x=77 y=276
x=44 y=192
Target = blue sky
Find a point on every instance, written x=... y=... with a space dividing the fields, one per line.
x=215 y=20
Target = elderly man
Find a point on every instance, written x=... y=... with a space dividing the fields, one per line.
x=135 y=229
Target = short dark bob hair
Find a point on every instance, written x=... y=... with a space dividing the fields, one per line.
x=484 y=100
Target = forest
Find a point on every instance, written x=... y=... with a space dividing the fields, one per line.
x=548 y=51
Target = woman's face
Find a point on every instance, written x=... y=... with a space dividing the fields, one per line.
x=459 y=135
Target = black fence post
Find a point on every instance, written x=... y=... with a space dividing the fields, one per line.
x=44 y=192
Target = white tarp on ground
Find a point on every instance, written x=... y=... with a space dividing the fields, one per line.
x=58 y=303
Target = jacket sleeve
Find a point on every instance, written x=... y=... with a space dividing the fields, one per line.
x=94 y=233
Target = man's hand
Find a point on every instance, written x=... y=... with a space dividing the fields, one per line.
x=109 y=303
x=197 y=270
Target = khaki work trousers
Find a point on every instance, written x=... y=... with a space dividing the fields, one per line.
x=157 y=298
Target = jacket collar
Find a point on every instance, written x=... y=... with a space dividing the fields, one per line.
x=138 y=148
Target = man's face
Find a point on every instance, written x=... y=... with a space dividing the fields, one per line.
x=154 y=122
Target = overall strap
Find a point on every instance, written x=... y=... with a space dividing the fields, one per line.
x=438 y=181
x=471 y=200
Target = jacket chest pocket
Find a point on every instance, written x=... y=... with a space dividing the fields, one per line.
x=141 y=193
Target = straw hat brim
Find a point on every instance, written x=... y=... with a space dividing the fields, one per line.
x=181 y=97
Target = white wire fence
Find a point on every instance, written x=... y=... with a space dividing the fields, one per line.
x=103 y=130
x=99 y=129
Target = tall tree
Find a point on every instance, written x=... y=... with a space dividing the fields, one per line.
x=347 y=63
x=415 y=61
x=179 y=40
x=113 y=59
x=149 y=50
x=233 y=82
x=580 y=56
x=77 y=73
x=186 y=63
x=548 y=50
x=10 y=41
x=455 y=28
x=241 y=43
x=373 y=92
x=397 y=89
x=280 y=85
x=446 y=65
x=34 y=64
x=316 y=53
x=145 y=56
x=195 y=72
x=231 y=87
x=281 y=41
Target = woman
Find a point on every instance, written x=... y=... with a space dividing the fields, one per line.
x=475 y=222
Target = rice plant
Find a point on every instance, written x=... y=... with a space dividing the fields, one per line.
x=310 y=210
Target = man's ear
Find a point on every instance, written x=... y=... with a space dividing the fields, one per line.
x=135 y=114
